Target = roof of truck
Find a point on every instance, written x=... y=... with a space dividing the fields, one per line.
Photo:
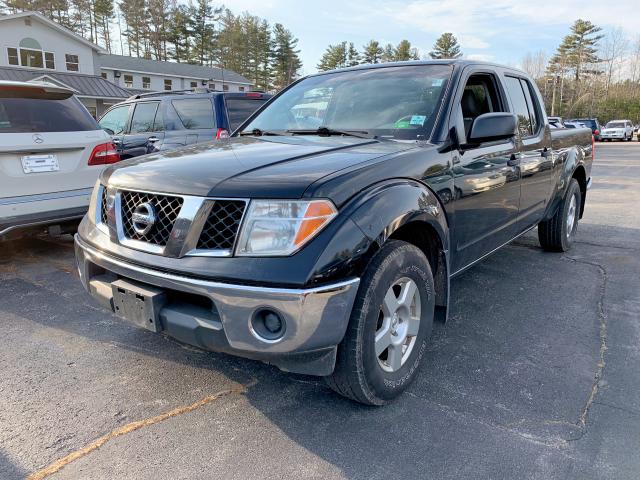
x=460 y=62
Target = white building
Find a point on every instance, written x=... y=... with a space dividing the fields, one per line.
x=32 y=47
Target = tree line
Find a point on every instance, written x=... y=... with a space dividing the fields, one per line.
x=591 y=74
x=345 y=54
x=196 y=32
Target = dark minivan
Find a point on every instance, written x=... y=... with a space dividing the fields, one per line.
x=593 y=124
x=152 y=122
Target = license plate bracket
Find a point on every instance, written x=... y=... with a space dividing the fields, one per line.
x=138 y=303
x=40 y=163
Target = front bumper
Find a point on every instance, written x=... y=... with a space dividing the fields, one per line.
x=613 y=136
x=315 y=319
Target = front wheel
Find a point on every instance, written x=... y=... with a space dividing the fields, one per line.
x=389 y=328
x=557 y=233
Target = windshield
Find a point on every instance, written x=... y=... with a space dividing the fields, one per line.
x=590 y=123
x=391 y=102
x=615 y=125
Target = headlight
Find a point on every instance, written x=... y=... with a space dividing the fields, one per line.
x=282 y=227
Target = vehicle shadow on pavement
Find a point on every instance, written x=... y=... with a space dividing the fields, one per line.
x=512 y=369
x=8 y=469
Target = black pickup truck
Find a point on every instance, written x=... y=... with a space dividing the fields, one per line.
x=323 y=235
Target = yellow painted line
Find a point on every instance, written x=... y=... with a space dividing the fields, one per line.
x=128 y=428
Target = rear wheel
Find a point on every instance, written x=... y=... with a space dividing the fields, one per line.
x=557 y=233
x=389 y=328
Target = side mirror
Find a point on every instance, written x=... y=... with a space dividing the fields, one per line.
x=109 y=131
x=493 y=126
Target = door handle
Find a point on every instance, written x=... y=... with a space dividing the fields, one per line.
x=116 y=141
x=514 y=160
x=153 y=139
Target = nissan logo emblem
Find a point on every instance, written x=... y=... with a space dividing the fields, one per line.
x=143 y=218
x=37 y=138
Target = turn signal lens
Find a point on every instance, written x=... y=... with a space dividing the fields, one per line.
x=282 y=227
x=222 y=134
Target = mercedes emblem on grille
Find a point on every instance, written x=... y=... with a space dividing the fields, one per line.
x=143 y=218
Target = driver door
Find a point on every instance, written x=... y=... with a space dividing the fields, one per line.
x=486 y=176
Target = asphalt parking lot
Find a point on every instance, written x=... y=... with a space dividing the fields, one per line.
x=534 y=376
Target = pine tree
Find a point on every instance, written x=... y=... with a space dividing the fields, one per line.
x=103 y=16
x=404 y=51
x=335 y=56
x=178 y=33
x=581 y=45
x=286 y=57
x=353 y=57
x=389 y=53
x=446 y=46
x=372 y=52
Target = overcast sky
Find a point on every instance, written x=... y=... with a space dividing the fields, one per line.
x=497 y=30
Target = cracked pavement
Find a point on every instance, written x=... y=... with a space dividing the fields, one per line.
x=535 y=376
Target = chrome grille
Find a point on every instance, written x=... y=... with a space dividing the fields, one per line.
x=166 y=208
x=103 y=206
x=220 y=229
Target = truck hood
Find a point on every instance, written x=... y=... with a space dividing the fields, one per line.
x=264 y=167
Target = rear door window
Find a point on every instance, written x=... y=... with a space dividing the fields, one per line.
x=519 y=106
x=144 y=117
x=532 y=104
x=22 y=115
x=115 y=119
x=239 y=109
x=195 y=113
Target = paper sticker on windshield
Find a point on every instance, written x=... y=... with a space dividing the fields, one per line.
x=436 y=82
x=417 y=120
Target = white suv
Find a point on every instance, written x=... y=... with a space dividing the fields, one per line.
x=618 y=130
x=51 y=153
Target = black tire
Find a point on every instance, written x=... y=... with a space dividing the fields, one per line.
x=552 y=233
x=358 y=374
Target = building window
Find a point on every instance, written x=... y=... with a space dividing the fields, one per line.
x=146 y=82
x=49 y=61
x=241 y=89
x=194 y=84
x=225 y=88
x=167 y=84
x=104 y=75
x=128 y=81
x=31 y=58
x=212 y=86
x=72 y=62
x=13 y=56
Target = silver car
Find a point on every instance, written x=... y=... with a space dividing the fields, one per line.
x=618 y=130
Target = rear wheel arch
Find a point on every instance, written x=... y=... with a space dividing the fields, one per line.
x=580 y=174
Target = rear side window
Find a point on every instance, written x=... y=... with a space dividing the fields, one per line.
x=21 y=115
x=115 y=119
x=532 y=103
x=195 y=113
x=143 y=117
x=239 y=109
x=519 y=105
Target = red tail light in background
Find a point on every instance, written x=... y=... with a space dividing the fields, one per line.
x=253 y=95
x=104 y=154
x=593 y=147
x=222 y=134
x=596 y=132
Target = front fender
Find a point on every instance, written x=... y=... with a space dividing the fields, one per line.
x=389 y=206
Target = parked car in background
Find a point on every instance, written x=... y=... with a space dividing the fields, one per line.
x=322 y=237
x=592 y=123
x=51 y=153
x=152 y=122
x=618 y=130
x=556 y=122
x=574 y=125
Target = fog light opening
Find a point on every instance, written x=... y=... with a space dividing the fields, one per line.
x=268 y=325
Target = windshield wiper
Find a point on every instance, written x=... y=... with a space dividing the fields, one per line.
x=325 y=131
x=257 y=133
